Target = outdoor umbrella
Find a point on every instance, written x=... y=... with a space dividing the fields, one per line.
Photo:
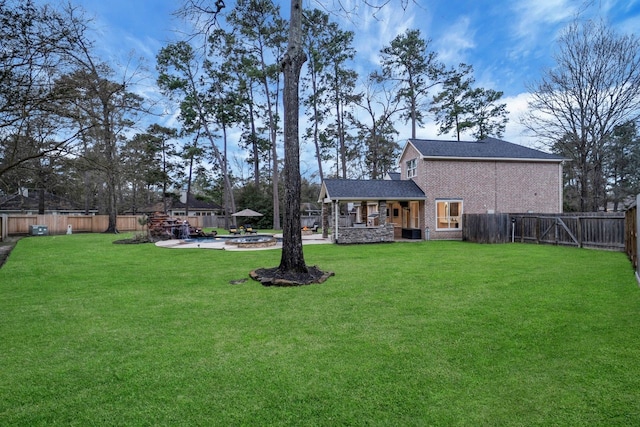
x=246 y=213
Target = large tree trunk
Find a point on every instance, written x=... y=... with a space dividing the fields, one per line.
x=292 y=255
x=41 y=201
x=229 y=201
x=111 y=172
x=112 y=203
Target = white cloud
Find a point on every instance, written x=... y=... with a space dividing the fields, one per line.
x=630 y=25
x=535 y=16
x=454 y=44
x=373 y=32
x=536 y=24
x=515 y=131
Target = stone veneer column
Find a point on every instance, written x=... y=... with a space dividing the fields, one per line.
x=382 y=213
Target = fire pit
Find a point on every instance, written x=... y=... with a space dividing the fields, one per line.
x=252 y=242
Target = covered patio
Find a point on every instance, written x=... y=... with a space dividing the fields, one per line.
x=373 y=211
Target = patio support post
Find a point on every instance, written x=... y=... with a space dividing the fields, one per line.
x=336 y=217
x=325 y=220
x=382 y=208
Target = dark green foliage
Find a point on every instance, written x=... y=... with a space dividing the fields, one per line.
x=330 y=85
x=259 y=200
x=622 y=165
x=461 y=108
x=408 y=64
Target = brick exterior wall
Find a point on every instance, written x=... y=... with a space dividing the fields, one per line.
x=484 y=186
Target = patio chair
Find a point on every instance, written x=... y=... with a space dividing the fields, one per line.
x=249 y=229
x=313 y=228
x=234 y=230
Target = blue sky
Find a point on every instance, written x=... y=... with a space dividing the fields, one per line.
x=508 y=42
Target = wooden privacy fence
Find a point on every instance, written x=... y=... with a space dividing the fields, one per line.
x=480 y=228
x=58 y=224
x=632 y=243
x=604 y=231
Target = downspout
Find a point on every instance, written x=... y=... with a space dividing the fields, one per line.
x=495 y=186
x=560 y=188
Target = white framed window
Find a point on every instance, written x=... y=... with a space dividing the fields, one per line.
x=412 y=166
x=448 y=214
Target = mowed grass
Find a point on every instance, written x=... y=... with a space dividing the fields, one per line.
x=430 y=333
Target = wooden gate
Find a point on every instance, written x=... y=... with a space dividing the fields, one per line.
x=584 y=230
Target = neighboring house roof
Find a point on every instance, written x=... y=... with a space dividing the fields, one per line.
x=369 y=189
x=174 y=204
x=490 y=148
x=195 y=203
x=393 y=175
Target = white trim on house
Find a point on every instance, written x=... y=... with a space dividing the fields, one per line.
x=490 y=159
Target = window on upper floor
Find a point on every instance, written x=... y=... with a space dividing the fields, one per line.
x=412 y=166
x=448 y=215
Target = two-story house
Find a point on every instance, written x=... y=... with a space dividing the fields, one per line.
x=453 y=177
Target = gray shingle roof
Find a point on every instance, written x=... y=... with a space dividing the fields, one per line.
x=371 y=189
x=490 y=148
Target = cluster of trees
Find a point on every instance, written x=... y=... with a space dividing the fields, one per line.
x=586 y=109
x=73 y=125
x=234 y=81
x=63 y=113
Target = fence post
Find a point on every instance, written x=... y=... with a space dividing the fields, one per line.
x=579 y=230
x=4 y=227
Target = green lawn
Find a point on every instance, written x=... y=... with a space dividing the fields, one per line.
x=430 y=333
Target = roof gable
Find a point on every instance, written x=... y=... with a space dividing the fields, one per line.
x=489 y=148
x=370 y=189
